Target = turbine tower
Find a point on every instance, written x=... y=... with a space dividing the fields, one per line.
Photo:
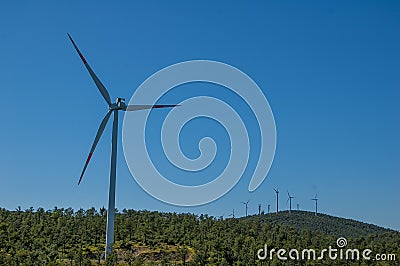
x=269 y=207
x=245 y=203
x=290 y=202
x=259 y=209
x=277 y=197
x=113 y=108
x=316 y=204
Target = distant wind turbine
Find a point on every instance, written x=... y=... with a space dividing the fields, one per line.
x=232 y=214
x=316 y=204
x=245 y=203
x=269 y=207
x=290 y=202
x=259 y=209
x=277 y=199
x=113 y=108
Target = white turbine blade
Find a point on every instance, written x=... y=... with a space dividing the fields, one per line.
x=96 y=140
x=136 y=107
x=96 y=80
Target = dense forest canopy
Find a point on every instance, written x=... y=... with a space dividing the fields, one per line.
x=68 y=237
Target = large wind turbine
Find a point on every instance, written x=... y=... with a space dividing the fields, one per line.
x=119 y=105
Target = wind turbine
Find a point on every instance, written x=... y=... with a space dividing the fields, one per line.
x=290 y=202
x=232 y=214
x=259 y=209
x=269 y=206
x=245 y=203
x=113 y=108
x=298 y=207
x=277 y=197
x=316 y=204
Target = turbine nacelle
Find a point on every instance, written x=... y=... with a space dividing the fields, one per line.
x=118 y=105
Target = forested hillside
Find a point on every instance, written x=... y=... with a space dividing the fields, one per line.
x=68 y=237
x=324 y=223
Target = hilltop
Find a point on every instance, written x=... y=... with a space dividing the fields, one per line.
x=327 y=224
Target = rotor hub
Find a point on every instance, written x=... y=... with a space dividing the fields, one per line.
x=118 y=105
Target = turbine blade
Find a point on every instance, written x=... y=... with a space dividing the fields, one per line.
x=96 y=80
x=96 y=140
x=135 y=107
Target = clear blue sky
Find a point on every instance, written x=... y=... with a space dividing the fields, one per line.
x=330 y=71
